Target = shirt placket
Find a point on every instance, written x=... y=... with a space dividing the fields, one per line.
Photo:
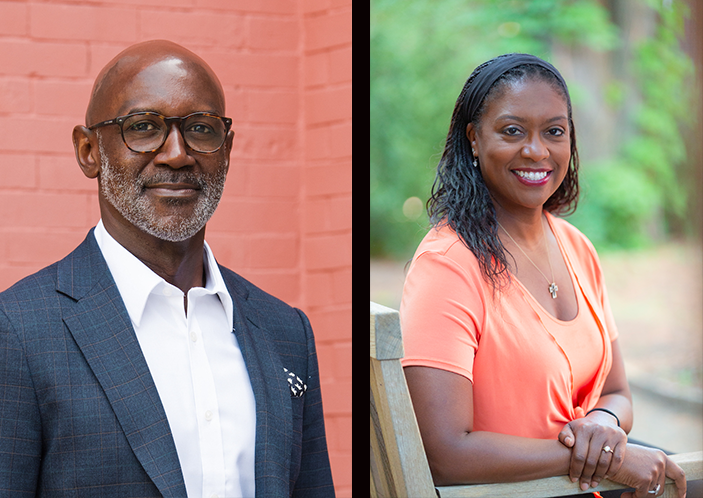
x=207 y=409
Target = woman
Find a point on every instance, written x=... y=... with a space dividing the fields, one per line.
x=511 y=351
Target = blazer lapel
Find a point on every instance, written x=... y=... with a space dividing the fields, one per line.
x=271 y=393
x=102 y=329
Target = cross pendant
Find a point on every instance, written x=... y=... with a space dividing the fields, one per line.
x=553 y=290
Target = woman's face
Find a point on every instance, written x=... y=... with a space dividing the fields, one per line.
x=523 y=144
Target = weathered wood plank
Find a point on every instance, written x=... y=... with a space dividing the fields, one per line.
x=386 y=341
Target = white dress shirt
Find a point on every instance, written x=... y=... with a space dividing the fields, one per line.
x=198 y=370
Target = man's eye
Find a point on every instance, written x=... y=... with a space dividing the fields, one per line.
x=200 y=128
x=143 y=126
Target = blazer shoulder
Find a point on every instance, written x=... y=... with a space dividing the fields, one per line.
x=34 y=288
x=73 y=276
x=31 y=308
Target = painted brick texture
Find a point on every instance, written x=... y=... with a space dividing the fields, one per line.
x=285 y=219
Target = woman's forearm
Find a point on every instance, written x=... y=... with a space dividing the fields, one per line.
x=616 y=395
x=481 y=457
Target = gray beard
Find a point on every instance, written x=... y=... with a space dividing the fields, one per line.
x=128 y=196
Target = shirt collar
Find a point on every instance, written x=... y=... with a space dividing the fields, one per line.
x=136 y=281
x=214 y=283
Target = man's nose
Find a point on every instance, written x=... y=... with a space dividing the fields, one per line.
x=174 y=152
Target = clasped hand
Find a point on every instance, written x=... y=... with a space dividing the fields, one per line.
x=644 y=469
x=598 y=448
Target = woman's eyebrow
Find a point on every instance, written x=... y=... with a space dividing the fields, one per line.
x=522 y=120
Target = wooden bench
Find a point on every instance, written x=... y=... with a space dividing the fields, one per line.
x=399 y=465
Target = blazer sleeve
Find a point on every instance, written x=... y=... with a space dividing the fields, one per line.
x=20 y=424
x=315 y=478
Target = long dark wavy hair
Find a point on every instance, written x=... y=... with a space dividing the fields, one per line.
x=460 y=198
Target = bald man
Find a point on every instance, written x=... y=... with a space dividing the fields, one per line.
x=137 y=366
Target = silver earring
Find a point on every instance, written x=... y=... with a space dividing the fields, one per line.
x=475 y=162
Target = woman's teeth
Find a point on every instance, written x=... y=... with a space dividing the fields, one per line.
x=533 y=176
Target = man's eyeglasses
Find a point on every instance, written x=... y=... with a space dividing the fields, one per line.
x=147 y=131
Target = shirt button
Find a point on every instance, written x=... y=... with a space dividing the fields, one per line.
x=194 y=337
x=208 y=415
x=215 y=495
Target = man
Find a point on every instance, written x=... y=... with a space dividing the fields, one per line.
x=137 y=366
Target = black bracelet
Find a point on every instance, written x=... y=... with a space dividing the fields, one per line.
x=606 y=411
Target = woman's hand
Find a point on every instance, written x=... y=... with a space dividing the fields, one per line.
x=589 y=438
x=646 y=470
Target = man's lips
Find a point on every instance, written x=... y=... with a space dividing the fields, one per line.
x=532 y=177
x=173 y=189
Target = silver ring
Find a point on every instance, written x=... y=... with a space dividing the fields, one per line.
x=655 y=491
x=607 y=449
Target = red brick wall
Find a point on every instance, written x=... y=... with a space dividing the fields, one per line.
x=285 y=219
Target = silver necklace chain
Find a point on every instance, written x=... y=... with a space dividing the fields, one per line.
x=552 y=284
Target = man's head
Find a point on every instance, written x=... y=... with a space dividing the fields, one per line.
x=158 y=176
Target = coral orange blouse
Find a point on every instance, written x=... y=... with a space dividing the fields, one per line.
x=531 y=373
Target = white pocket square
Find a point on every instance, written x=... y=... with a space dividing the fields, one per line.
x=297 y=386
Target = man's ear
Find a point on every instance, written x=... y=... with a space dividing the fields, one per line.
x=87 y=153
x=228 y=145
x=228 y=141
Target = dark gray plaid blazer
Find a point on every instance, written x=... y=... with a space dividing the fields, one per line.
x=80 y=415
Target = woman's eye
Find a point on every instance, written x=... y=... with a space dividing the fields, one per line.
x=556 y=132
x=511 y=131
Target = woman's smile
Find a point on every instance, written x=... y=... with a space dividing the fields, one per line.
x=531 y=178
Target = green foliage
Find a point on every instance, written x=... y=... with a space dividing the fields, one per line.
x=617 y=201
x=643 y=193
x=666 y=76
x=421 y=54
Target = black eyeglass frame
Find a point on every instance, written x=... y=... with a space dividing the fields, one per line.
x=119 y=120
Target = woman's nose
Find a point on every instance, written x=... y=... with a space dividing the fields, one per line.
x=535 y=149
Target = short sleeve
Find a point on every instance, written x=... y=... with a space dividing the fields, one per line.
x=441 y=314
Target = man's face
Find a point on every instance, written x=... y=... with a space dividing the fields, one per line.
x=130 y=194
x=172 y=192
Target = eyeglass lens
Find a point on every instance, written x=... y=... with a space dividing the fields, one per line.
x=147 y=132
